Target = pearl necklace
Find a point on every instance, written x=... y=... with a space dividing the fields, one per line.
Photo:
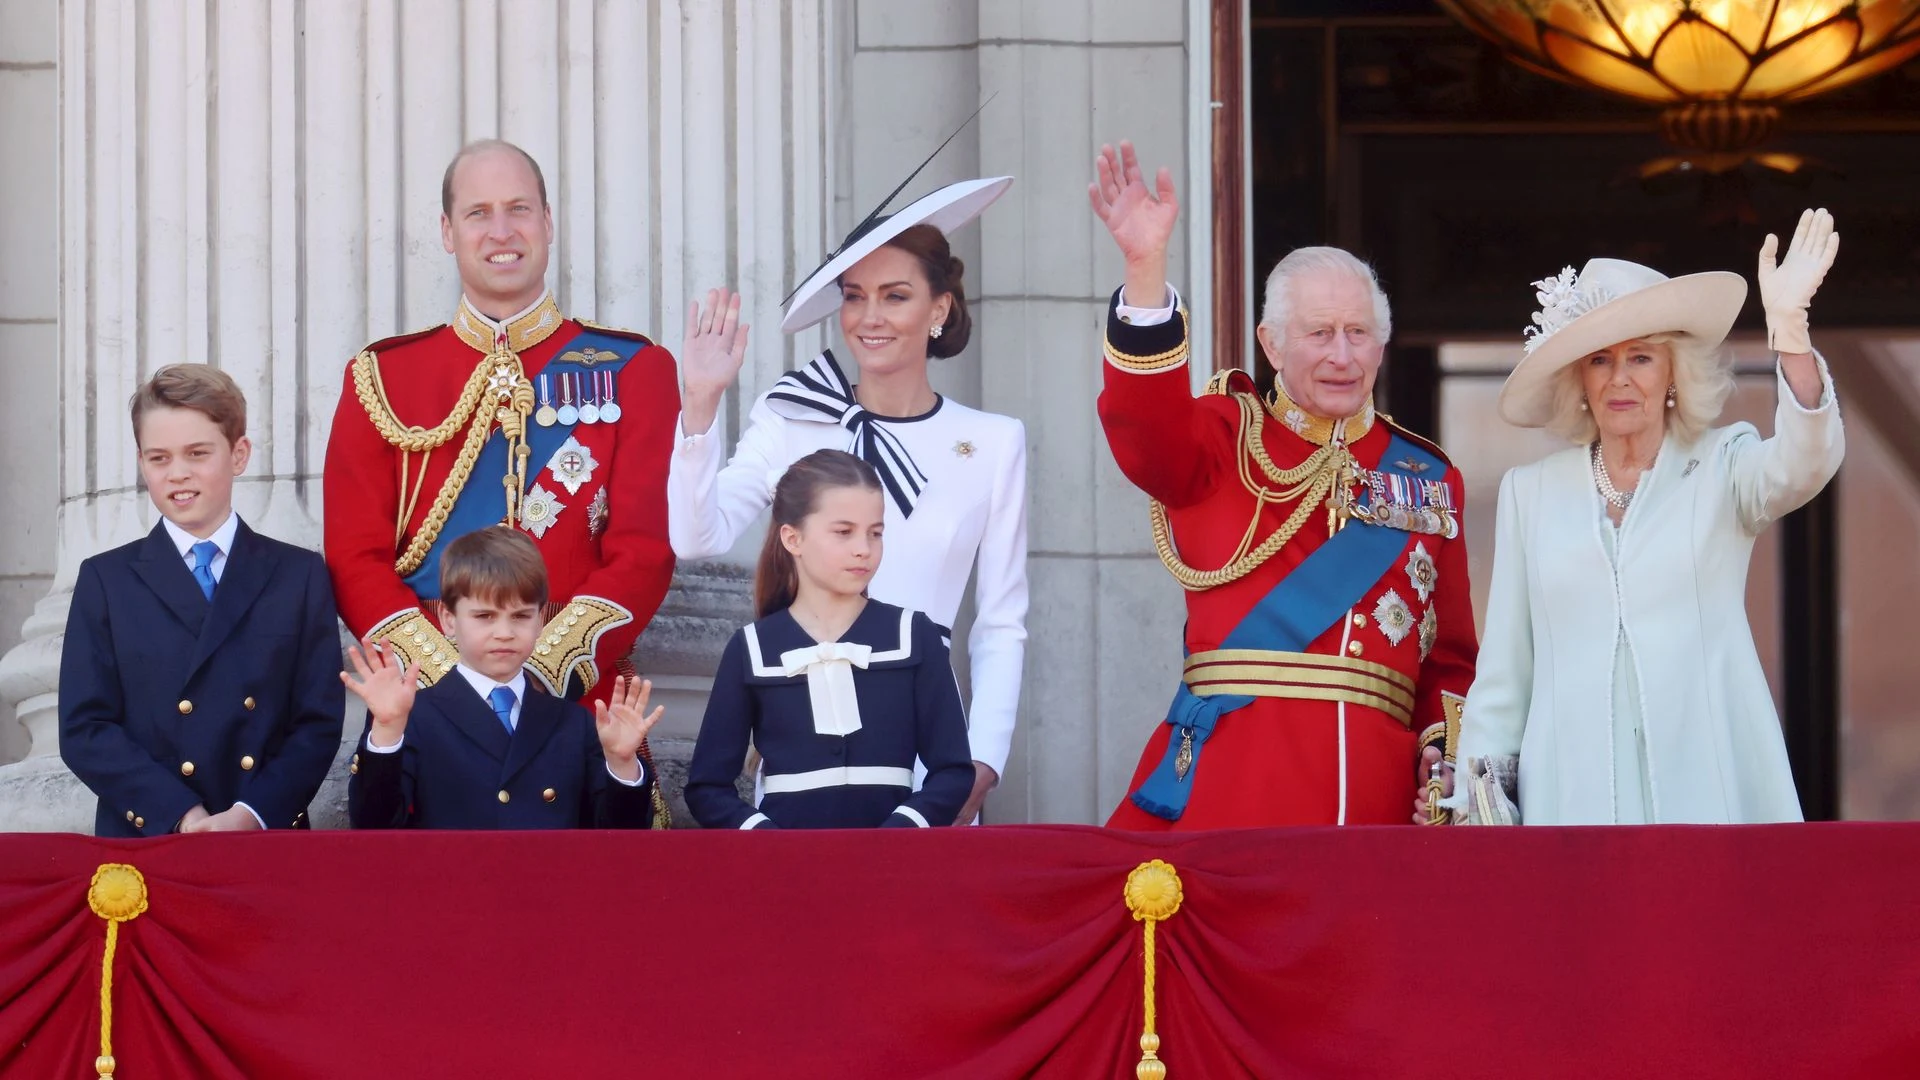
x=1604 y=482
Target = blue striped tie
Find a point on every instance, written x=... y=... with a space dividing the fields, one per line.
x=502 y=701
x=203 y=553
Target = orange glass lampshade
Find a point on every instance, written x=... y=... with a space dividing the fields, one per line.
x=1720 y=66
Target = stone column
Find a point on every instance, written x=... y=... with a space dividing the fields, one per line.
x=1105 y=622
x=256 y=185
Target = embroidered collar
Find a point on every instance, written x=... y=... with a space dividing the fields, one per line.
x=1317 y=430
x=518 y=333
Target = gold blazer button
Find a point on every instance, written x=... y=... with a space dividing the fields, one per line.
x=186 y=768
x=186 y=707
x=246 y=763
x=504 y=796
x=548 y=795
x=249 y=704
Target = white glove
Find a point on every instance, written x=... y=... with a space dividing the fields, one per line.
x=1787 y=289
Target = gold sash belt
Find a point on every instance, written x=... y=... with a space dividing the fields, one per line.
x=1302 y=677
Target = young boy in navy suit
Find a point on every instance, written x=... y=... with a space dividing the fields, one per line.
x=197 y=680
x=489 y=749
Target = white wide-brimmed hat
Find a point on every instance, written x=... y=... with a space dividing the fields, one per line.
x=946 y=209
x=1608 y=302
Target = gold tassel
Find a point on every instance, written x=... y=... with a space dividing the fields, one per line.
x=118 y=894
x=1153 y=893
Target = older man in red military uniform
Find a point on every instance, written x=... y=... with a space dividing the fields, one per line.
x=1329 y=619
x=511 y=414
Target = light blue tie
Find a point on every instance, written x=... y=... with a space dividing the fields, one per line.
x=203 y=553
x=502 y=701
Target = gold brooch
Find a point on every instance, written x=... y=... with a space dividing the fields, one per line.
x=963 y=448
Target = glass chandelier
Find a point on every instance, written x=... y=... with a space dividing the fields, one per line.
x=1721 y=67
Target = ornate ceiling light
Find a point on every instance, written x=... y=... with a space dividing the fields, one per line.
x=1721 y=67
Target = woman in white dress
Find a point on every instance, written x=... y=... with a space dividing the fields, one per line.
x=1618 y=680
x=955 y=477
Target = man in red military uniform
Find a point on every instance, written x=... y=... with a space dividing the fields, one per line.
x=511 y=414
x=1329 y=618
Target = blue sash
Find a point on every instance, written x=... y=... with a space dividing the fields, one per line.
x=1294 y=612
x=483 y=499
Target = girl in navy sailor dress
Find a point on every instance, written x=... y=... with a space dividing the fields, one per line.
x=838 y=693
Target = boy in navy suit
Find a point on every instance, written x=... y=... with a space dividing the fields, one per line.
x=489 y=749
x=197 y=689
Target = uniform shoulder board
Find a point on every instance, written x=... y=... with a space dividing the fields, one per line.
x=630 y=335
x=401 y=339
x=1230 y=381
x=1418 y=440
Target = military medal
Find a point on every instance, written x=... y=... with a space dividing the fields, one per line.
x=590 y=399
x=1392 y=616
x=545 y=414
x=572 y=465
x=567 y=414
x=609 y=408
x=597 y=514
x=539 y=510
x=1422 y=572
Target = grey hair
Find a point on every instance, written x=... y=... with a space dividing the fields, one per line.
x=1299 y=262
x=1702 y=382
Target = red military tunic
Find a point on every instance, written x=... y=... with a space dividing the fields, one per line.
x=1285 y=761
x=604 y=540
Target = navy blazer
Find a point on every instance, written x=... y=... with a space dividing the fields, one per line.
x=457 y=768
x=167 y=700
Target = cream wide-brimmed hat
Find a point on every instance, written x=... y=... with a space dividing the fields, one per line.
x=946 y=209
x=1608 y=302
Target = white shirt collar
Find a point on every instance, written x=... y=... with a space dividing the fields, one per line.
x=481 y=316
x=222 y=537
x=484 y=685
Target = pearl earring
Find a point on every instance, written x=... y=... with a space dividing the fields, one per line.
x=936 y=331
x=1583 y=404
x=1670 y=401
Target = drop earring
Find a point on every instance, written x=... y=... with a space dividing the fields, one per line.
x=1583 y=404
x=1670 y=402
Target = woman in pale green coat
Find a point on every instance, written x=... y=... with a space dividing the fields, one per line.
x=1618 y=680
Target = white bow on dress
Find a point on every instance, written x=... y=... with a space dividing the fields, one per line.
x=829 y=671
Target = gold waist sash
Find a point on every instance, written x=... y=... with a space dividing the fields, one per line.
x=1302 y=677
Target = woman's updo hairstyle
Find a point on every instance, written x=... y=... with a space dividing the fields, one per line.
x=943 y=273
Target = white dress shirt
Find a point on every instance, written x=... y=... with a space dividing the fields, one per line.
x=222 y=539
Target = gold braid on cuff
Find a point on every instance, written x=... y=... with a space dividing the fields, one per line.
x=1172 y=358
x=413 y=637
x=568 y=640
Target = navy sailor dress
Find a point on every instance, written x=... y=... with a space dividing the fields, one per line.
x=838 y=725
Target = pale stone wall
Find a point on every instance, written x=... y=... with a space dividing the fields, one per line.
x=256 y=184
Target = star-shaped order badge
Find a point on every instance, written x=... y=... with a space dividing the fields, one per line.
x=1421 y=571
x=1429 y=633
x=572 y=465
x=538 y=511
x=1393 y=617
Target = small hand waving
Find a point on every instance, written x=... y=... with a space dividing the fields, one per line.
x=624 y=721
x=385 y=686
